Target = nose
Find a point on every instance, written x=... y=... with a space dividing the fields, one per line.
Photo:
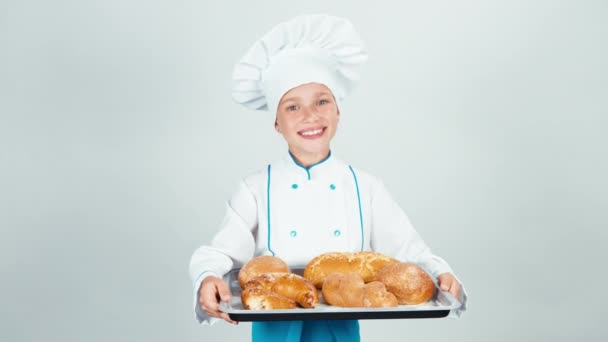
x=310 y=114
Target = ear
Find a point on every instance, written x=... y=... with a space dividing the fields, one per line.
x=276 y=126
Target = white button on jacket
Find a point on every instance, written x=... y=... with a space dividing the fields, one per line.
x=297 y=213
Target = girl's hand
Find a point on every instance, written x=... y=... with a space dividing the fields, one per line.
x=448 y=282
x=212 y=291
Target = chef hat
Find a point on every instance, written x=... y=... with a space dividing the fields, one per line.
x=310 y=48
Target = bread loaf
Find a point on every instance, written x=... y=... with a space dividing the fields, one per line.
x=408 y=282
x=259 y=265
x=349 y=290
x=375 y=295
x=345 y=290
x=366 y=264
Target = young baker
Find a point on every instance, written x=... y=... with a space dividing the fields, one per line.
x=309 y=202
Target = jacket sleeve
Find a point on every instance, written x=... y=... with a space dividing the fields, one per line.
x=393 y=234
x=233 y=244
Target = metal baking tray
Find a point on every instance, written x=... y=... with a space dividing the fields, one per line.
x=438 y=306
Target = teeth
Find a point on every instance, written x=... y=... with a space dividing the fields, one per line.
x=317 y=131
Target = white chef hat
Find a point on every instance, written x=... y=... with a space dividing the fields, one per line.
x=310 y=48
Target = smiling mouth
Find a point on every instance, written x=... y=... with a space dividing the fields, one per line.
x=312 y=133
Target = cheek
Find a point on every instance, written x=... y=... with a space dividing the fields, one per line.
x=280 y=121
x=333 y=118
x=286 y=126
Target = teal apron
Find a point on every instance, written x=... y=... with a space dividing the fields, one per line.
x=305 y=331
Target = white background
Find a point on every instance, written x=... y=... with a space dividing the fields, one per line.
x=119 y=145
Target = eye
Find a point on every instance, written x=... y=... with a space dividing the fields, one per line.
x=292 y=108
x=322 y=102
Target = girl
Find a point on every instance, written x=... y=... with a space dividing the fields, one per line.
x=309 y=202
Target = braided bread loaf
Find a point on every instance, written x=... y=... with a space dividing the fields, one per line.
x=349 y=290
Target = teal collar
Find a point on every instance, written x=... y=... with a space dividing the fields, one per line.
x=318 y=166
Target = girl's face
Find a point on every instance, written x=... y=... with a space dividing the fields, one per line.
x=307 y=117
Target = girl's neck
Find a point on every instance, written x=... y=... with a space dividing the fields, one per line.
x=307 y=159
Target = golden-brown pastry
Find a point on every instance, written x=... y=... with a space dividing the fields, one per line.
x=288 y=285
x=254 y=298
x=259 y=265
x=408 y=282
x=349 y=290
x=366 y=264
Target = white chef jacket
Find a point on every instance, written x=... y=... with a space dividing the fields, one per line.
x=296 y=213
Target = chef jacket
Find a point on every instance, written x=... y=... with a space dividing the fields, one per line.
x=296 y=213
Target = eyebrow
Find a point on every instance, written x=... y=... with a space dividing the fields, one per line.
x=293 y=98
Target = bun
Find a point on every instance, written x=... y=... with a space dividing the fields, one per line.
x=408 y=282
x=277 y=291
x=366 y=264
x=349 y=290
x=259 y=265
